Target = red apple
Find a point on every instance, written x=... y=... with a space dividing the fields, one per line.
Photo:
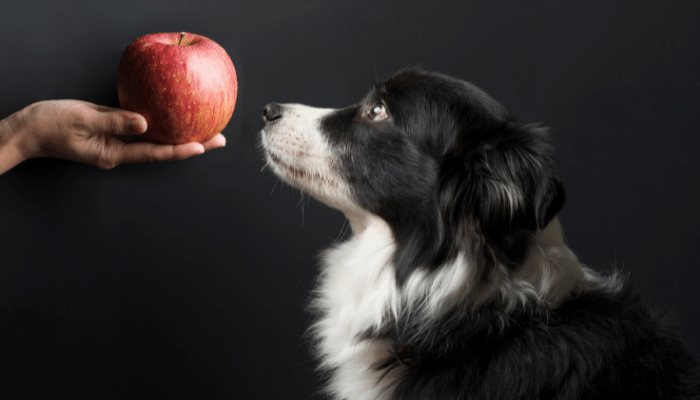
x=183 y=84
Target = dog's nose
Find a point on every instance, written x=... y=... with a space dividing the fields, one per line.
x=271 y=112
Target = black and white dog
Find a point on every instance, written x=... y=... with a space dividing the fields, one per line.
x=456 y=282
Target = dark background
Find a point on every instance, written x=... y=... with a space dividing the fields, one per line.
x=189 y=279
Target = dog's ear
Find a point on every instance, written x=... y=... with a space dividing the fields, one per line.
x=498 y=186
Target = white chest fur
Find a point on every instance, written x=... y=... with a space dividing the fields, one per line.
x=356 y=291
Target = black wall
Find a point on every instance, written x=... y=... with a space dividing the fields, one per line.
x=189 y=279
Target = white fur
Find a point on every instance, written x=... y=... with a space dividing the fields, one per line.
x=356 y=291
x=299 y=154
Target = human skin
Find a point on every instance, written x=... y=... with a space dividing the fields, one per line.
x=85 y=132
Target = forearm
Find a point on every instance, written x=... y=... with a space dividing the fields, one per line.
x=10 y=151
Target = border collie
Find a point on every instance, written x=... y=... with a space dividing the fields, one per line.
x=456 y=282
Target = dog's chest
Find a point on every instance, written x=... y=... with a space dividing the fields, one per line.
x=356 y=292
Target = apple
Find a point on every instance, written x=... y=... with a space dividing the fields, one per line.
x=183 y=84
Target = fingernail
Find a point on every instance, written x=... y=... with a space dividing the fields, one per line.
x=137 y=123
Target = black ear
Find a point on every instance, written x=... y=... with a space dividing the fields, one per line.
x=498 y=185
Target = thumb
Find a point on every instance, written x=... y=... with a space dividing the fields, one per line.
x=119 y=122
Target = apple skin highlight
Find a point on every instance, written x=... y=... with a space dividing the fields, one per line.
x=185 y=85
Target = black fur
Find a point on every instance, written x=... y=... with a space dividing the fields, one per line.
x=595 y=346
x=452 y=172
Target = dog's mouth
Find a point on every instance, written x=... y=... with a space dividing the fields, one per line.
x=288 y=168
x=299 y=175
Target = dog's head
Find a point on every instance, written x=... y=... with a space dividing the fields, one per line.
x=442 y=163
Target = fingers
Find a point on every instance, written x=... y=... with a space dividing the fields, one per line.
x=215 y=142
x=116 y=122
x=113 y=121
x=149 y=152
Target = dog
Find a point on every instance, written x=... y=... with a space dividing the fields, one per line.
x=456 y=282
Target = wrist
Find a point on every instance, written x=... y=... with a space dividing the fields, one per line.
x=11 y=146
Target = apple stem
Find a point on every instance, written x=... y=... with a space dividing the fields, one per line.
x=182 y=35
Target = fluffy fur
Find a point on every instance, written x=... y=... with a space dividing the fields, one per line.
x=456 y=282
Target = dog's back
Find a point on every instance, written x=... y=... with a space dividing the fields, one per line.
x=598 y=345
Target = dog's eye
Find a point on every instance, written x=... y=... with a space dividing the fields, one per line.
x=377 y=112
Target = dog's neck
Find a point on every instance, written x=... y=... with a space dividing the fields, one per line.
x=551 y=268
x=360 y=221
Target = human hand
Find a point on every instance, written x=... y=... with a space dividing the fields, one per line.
x=92 y=134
